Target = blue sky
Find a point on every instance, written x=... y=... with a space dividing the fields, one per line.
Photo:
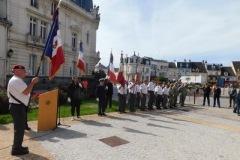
x=170 y=30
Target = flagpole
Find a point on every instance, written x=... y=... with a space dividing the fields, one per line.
x=44 y=52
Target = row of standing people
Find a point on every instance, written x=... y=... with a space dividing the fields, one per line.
x=160 y=95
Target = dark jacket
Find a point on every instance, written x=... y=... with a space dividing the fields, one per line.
x=206 y=90
x=110 y=88
x=74 y=91
x=101 y=92
x=217 y=92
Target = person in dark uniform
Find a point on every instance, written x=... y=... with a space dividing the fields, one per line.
x=101 y=96
x=109 y=93
x=19 y=93
x=216 y=95
x=206 y=94
x=74 y=96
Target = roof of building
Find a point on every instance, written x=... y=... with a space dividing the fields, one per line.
x=172 y=65
x=198 y=65
x=236 y=65
x=85 y=4
x=227 y=70
x=101 y=66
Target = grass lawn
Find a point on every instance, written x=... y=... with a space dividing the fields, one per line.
x=88 y=107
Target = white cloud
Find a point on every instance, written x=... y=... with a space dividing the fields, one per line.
x=197 y=30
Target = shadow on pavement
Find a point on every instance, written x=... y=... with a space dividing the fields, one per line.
x=32 y=156
x=122 y=119
x=152 y=119
x=3 y=127
x=155 y=125
x=96 y=123
x=137 y=131
x=53 y=136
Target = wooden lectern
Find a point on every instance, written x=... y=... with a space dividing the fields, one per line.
x=47 y=112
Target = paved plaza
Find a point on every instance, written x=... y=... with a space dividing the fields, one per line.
x=190 y=132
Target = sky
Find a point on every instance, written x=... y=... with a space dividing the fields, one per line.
x=170 y=30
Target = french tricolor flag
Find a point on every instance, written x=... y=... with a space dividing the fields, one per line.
x=81 y=62
x=53 y=47
x=111 y=75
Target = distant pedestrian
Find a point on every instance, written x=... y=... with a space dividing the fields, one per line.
x=143 y=92
x=138 y=96
x=158 y=93
x=151 y=89
x=182 y=90
x=232 y=93
x=109 y=93
x=237 y=103
x=101 y=92
x=206 y=94
x=74 y=96
x=132 y=97
x=122 y=97
x=216 y=96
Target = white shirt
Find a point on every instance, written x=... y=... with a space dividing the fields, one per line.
x=122 y=90
x=151 y=86
x=143 y=88
x=158 y=90
x=165 y=90
x=137 y=88
x=132 y=88
x=16 y=86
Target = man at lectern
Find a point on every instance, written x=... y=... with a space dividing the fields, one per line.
x=74 y=96
x=19 y=93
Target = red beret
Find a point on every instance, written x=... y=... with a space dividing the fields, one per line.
x=18 y=67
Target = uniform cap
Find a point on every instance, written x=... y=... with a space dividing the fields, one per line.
x=101 y=79
x=18 y=66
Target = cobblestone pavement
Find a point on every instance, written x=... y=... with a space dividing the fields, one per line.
x=190 y=132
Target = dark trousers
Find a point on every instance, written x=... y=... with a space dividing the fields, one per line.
x=143 y=101
x=231 y=98
x=132 y=102
x=182 y=98
x=101 y=105
x=75 y=105
x=164 y=100
x=18 y=113
x=109 y=101
x=158 y=101
x=138 y=98
x=26 y=125
x=175 y=96
x=214 y=100
x=122 y=102
x=204 y=99
x=151 y=100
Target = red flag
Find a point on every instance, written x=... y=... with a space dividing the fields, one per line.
x=121 y=79
x=81 y=62
x=53 y=47
x=111 y=75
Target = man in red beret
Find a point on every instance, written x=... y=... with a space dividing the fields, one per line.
x=19 y=93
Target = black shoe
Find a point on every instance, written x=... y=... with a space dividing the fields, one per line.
x=99 y=114
x=124 y=112
x=234 y=111
x=230 y=106
x=27 y=128
x=104 y=114
x=142 y=109
x=120 y=112
x=20 y=148
x=19 y=151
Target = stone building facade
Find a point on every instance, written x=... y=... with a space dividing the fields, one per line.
x=24 y=27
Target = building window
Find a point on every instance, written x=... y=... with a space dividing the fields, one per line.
x=43 y=67
x=74 y=40
x=34 y=3
x=53 y=8
x=74 y=70
x=33 y=22
x=32 y=64
x=87 y=38
x=43 y=30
